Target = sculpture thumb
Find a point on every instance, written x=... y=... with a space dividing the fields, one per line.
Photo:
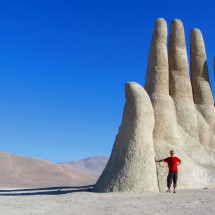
x=131 y=166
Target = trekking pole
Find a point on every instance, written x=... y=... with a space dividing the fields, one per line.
x=157 y=174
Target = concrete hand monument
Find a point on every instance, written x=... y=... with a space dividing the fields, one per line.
x=174 y=111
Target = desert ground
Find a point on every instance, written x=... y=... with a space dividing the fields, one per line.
x=81 y=200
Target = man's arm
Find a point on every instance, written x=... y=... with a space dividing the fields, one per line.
x=179 y=162
x=159 y=160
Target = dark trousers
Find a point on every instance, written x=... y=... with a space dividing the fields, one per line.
x=172 y=176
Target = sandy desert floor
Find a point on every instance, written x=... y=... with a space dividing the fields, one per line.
x=80 y=200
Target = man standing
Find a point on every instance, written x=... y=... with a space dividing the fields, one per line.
x=173 y=163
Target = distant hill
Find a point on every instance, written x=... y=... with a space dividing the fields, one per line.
x=94 y=164
x=20 y=171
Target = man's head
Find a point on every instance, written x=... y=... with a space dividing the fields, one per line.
x=172 y=153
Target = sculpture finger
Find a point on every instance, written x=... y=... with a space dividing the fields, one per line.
x=214 y=70
x=157 y=86
x=179 y=83
x=157 y=79
x=131 y=166
x=202 y=92
x=199 y=70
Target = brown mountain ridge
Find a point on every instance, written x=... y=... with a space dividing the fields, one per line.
x=95 y=164
x=20 y=171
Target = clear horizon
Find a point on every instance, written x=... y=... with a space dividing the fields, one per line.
x=64 y=65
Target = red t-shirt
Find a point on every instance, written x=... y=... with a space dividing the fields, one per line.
x=172 y=163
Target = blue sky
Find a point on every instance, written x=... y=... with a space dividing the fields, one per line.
x=63 y=65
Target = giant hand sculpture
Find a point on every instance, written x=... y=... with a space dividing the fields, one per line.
x=175 y=113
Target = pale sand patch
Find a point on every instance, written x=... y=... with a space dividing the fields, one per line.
x=78 y=201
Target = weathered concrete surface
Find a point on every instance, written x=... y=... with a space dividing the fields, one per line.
x=176 y=126
x=157 y=79
x=202 y=92
x=180 y=85
x=131 y=166
x=183 y=116
x=200 y=79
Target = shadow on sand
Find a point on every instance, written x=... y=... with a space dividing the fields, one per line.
x=46 y=191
